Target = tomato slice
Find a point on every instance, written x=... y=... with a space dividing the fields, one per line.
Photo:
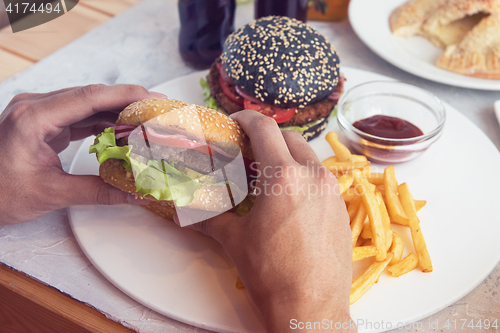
x=178 y=141
x=279 y=114
x=227 y=86
x=240 y=97
x=235 y=98
x=181 y=141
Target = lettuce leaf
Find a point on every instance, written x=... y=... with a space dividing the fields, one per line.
x=105 y=147
x=157 y=178
x=211 y=102
x=161 y=180
x=303 y=128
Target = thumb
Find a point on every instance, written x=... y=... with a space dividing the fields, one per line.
x=221 y=227
x=92 y=190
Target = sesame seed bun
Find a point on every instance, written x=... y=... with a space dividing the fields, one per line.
x=194 y=121
x=281 y=61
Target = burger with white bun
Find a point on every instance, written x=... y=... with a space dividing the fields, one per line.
x=177 y=155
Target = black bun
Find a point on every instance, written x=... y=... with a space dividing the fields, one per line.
x=281 y=61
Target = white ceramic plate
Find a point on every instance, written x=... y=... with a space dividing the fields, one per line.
x=186 y=276
x=416 y=55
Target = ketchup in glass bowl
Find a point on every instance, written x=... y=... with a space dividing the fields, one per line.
x=390 y=121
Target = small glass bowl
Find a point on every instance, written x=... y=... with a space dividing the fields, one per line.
x=394 y=99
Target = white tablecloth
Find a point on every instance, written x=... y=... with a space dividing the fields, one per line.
x=139 y=46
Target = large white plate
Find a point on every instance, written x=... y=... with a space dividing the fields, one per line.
x=186 y=276
x=370 y=21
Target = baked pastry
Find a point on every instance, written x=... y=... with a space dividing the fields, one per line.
x=407 y=19
x=478 y=54
x=443 y=22
x=468 y=30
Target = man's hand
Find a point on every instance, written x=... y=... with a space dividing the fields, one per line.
x=293 y=250
x=39 y=126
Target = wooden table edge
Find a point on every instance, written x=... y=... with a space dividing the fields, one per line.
x=28 y=305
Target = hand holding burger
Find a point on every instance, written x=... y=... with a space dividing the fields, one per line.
x=179 y=156
x=292 y=250
x=34 y=128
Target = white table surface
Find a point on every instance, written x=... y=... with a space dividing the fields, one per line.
x=139 y=46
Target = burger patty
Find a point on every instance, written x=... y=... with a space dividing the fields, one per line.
x=190 y=158
x=216 y=90
x=302 y=117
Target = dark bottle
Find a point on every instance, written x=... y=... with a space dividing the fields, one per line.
x=205 y=24
x=291 y=8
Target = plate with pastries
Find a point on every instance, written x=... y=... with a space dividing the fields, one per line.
x=455 y=42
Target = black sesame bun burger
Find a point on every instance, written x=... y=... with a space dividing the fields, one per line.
x=282 y=68
x=176 y=155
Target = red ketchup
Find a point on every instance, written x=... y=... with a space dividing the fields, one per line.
x=388 y=127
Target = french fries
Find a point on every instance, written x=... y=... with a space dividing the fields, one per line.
x=367 y=230
x=419 y=204
x=349 y=195
x=397 y=248
x=345 y=183
x=361 y=242
x=358 y=223
x=386 y=221
x=344 y=167
x=375 y=201
x=342 y=152
x=409 y=263
x=362 y=252
x=352 y=208
x=376 y=178
x=393 y=203
x=424 y=259
x=363 y=283
x=373 y=211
